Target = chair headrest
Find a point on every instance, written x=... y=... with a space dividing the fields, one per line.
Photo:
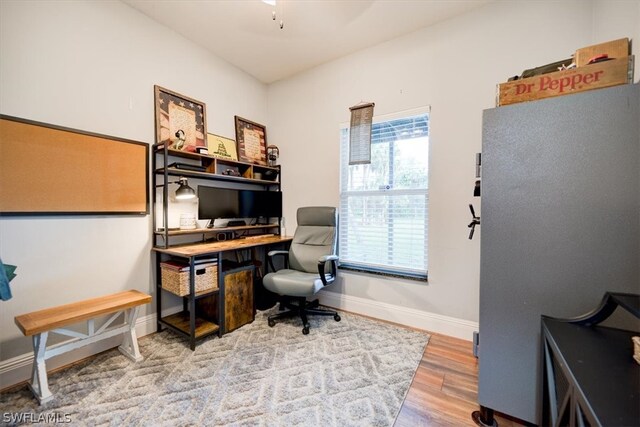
x=317 y=215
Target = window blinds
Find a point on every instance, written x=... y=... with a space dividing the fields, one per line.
x=384 y=204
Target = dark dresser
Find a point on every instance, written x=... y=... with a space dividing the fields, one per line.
x=590 y=376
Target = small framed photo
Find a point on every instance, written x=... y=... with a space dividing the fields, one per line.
x=221 y=147
x=180 y=120
x=252 y=141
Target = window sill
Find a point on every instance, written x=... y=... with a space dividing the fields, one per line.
x=384 y=273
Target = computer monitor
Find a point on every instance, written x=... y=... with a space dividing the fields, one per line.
x=270 y=204
x=260 y=204
x=215 y=203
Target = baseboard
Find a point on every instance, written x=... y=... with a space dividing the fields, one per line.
x=419 y=319
x=18 y=369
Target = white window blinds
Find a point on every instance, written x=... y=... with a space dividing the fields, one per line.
x=384 y=204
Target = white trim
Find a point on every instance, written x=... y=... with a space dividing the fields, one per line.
x=419 y=319
x=18 y=369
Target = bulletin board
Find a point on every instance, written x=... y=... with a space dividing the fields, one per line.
x=47 y=169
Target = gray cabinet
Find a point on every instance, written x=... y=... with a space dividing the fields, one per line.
x=560 y=226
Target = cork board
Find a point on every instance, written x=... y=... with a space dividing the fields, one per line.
x=46 y=169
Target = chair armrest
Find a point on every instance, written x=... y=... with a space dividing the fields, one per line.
x=326 y=258
x=274 y=253
x=279 y=252
x=327 y=278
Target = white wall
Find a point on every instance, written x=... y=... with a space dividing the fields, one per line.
x=92 y=66
x=453 y=67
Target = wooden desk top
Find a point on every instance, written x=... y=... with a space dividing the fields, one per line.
x=194 y=249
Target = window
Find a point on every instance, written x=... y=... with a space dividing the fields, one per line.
x=383 y=205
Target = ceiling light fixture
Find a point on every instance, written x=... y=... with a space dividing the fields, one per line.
x=273 y=12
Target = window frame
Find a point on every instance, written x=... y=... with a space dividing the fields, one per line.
x=362 y=267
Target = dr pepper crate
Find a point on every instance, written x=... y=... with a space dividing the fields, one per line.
x=175 y=277
x=594 y=76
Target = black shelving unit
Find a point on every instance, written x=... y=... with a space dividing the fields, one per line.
x=214 y=168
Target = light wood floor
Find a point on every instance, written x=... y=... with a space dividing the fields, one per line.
x=444 y=391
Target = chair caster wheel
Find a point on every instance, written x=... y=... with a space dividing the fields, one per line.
x=336 y=317
x=271 y=323
x=305 y=330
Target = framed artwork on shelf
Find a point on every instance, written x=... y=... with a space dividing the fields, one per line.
x=221 y=147
x=180 y=120
x=252 y=141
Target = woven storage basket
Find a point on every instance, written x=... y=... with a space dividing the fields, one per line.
x=176 y=280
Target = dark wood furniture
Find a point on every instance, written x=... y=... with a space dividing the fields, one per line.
x=239 y=307
x=590 y=376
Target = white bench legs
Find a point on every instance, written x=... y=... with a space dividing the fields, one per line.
x=39 y=382
x=129 y=345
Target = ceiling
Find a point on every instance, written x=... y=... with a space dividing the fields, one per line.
x=243 y=33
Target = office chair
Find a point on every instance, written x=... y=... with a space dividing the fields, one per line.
x=305 y=272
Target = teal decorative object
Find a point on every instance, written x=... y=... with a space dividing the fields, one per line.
x=7 y=273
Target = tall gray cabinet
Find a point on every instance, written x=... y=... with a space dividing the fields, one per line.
x=560 y=226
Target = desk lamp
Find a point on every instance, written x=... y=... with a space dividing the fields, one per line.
x=184 y=192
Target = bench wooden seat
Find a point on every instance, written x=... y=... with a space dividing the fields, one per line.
x=39 y=323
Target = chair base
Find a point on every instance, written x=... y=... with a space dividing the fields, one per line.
x=301 y=309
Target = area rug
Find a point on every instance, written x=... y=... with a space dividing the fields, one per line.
x=351 y=373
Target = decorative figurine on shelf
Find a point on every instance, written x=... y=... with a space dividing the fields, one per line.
x=273 y=152
x=181 y=138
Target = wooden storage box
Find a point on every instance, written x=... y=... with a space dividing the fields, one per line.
x=239 y=306
x=175 y=277
x=614 y=49
x=595 y=76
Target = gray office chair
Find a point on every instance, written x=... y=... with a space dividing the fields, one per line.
x=305 y=272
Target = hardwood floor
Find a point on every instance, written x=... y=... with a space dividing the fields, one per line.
x=444 y=391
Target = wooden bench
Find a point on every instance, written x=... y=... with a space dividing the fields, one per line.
x=38 y=324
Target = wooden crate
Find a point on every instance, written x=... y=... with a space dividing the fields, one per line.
x=614 y=49
x=595 y=76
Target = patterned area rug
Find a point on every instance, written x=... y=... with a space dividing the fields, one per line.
x=350 y=373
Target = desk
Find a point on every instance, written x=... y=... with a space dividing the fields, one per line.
x=187 y=322
x=591 y=377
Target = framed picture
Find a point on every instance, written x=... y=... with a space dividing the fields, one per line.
x=221 y=147
x=180 y=120
x=252 y=141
